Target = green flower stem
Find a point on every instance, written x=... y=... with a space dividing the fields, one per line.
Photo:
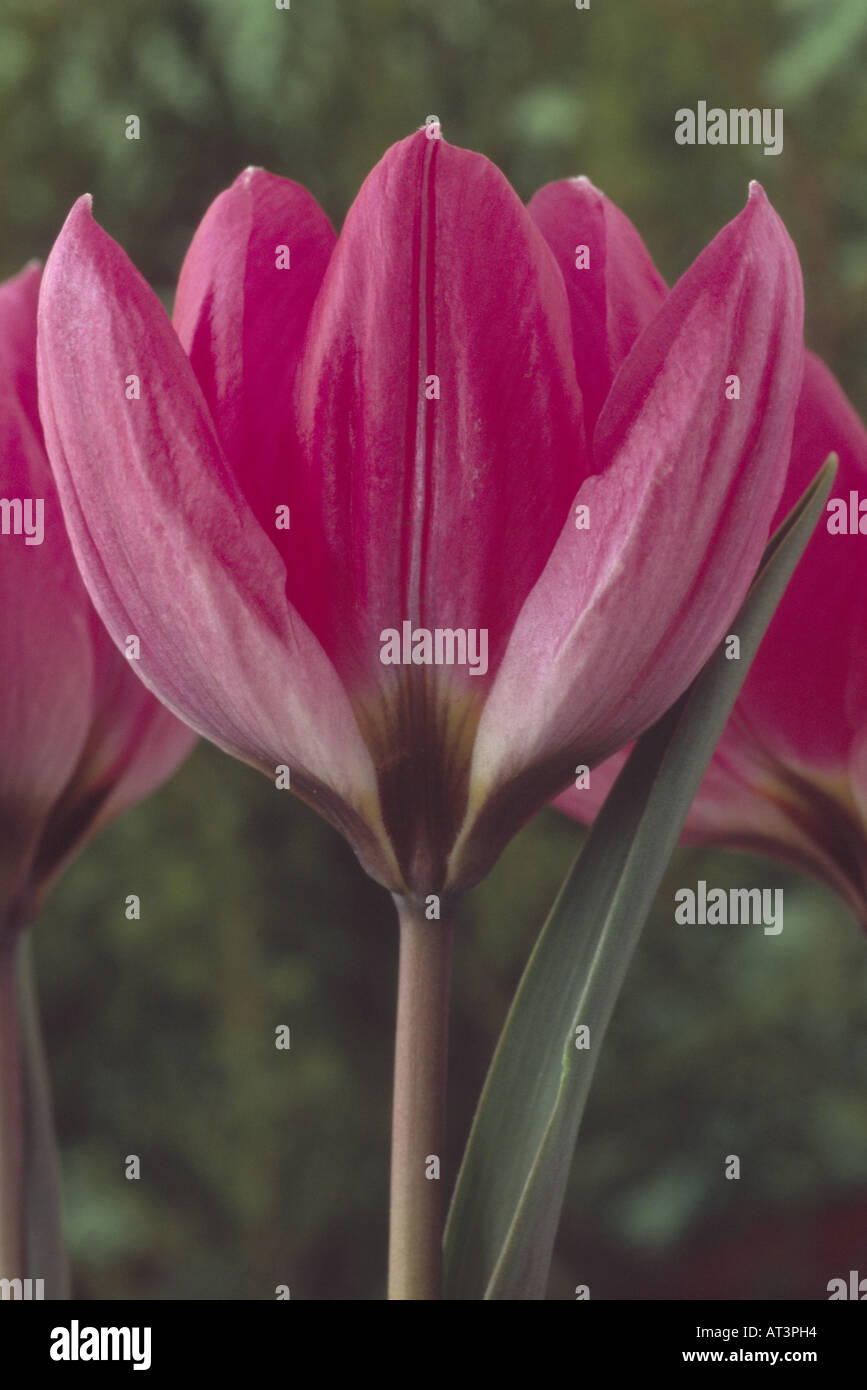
x=418 y=1128
x=12 y=1258
x=43 y=1212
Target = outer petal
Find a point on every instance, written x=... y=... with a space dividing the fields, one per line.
x=812 y=821
x=583 y=803
x=134 y=745
x=138 y=743
x=627 y=612
x=241 y=313
x=805 y=698
x=19 y=298
x=789 y=777
x=614 y=297
x=795 y=742
x=752 y=801
x=46 y=690
x=806 y=695
x=166 y=542
x=440 y=511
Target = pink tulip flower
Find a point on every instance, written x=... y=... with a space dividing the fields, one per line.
x=80 y=736
x=348 y=447
x=789 y=775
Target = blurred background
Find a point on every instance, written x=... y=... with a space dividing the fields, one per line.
x=262 y=1167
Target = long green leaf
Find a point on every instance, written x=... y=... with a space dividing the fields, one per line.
x=507 y=1202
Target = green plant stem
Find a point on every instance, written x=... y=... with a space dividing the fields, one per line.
x=418 y=1125
x=11 y=1117
x=43 y=1215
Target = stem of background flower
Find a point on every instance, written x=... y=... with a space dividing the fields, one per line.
x=418 y=1122
x=43 y=1213
x=11 y=1116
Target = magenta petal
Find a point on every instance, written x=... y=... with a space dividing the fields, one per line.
x=80 y=735
x=159 y=742
x=584 y=802
x=804 y=702
x=19 y=298
x=165 y=540
x=611 y=299
x=806 y=694
x=785 y=778
x=46 y=692
x=439 y=511
x=244 y=298
x=614 y=630
x=133 y=745
x=789 y=776
x=135 y=742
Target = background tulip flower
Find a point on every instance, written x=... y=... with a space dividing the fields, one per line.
x=789 y=776
x=427 y=400
x=80 y=736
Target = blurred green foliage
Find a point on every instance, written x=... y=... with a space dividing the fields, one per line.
x=262 y=1167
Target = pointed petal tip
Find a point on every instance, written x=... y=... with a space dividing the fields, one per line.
x=581 y=185
x=760 y=215
x=246 y=176
x=255 y=181
x=77 y=235
x=81 y=213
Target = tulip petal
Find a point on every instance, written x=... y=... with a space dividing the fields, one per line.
x=46 y=689
x=750 y=803
x=439 y=443
x=614 y=631
x=614 y=289
x=441 y=511
x=157 y=744
x=134 y=745
x=244 y=298
x=804 y=701
x=811 y=659
x=19 y=298
x=168 y=547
